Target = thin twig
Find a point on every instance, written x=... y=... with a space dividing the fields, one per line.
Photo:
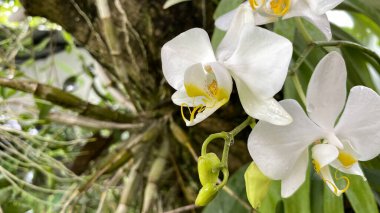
x=183 y=209
x=90 y=122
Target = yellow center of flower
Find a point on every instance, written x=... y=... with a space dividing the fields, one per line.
x=271 y=7
x=211 y=94
x=346 y=159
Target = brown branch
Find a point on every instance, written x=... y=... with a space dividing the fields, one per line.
x=66 y=100
x=90 y=122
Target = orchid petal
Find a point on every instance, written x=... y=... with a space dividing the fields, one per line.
x=360 y=122
x=259 y=74
x=183 y=51
x=301 y=9
x=261 y=60
x=204 y=114
x=324 y=154
x=296 y=178
x=270 y=145
x=322 y=6
x=181 y=98
x=243 y=16
x=224 y=21
x=326 y=93
x=268 y=110
x=210 y=85
x=354 y=169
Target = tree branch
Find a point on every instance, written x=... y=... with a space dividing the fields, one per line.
x=66 y=100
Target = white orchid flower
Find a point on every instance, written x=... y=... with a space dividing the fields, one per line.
x=281 y=152
x=256 y=58
x=268 y=11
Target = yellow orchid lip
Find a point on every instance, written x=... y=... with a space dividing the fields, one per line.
x=337 y=191
x=346 y=159
x=275 y=8
x=209 y=92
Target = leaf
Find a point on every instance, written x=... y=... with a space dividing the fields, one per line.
x=360 y=195
x=170 y=3
x=300 y=200
x=224 y=202
x=316 y=196
x=273 y=198
x=331 y=202
x=370 y=8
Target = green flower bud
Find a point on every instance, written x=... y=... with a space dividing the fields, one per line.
x=208 y=168
x=206 y=194
x=256 y=184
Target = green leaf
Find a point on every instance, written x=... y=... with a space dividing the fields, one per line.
x=273 y=198
x=300 y=200
x=331 y=202
x=224 y=202
x=316 y=195
x=360 y=195
x=370 y=8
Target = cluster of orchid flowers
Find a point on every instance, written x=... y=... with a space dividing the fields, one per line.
x=339 y=133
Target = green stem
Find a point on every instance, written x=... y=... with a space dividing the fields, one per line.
x=304 y=31
x=298 y=86
x=301 y=59
x=239 y=128
x=339 y=44
x=211 y=138
x=225 y=135
x=228 y=141
x=226 y=174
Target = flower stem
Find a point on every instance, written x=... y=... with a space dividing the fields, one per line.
x=228 y=141
x=303 y=31
x=225 y=135
x=298 y=86
x=300 y=60
x=339 y=44
x=241 y=126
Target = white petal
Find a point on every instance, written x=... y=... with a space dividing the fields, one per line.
x=326 y=93
x=268 y=110
x=324 y=154
x=183 y=51
x=354 y=169
x=242 y=17
x=261 y=60
x=296 y=178
x=205 y=114
x=180 y=98
x=223 y=22
x=276 y=149
x=223 y=77
x=260 y=19
x=360 y=122
x=301 y=8
x=322 y=6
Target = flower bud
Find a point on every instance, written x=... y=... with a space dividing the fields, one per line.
x=208 y=168
x=206 y=194
x=256 y=184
